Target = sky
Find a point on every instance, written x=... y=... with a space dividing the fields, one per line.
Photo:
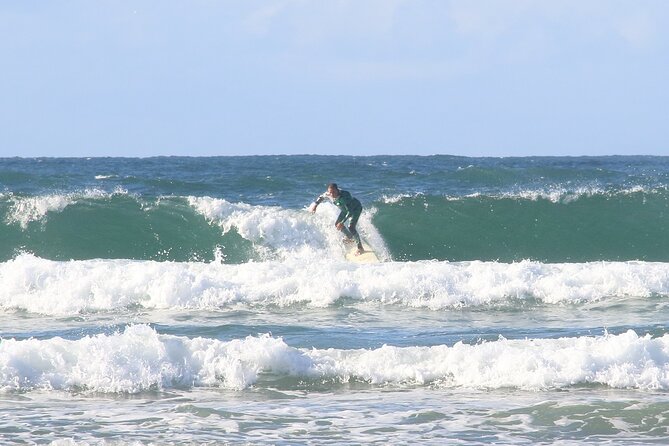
x=350 y=77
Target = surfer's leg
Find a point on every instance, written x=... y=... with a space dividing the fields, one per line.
x=353 y=231
x=347 y=232
x=341 y=227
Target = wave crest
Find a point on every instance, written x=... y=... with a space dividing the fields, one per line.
x=24 y=210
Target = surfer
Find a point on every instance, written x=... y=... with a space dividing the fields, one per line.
x=350 y=208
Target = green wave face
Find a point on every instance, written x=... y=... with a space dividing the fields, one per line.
x=121 y=227
x=588 y=228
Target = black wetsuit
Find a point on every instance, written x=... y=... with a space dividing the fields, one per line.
x=350 y=208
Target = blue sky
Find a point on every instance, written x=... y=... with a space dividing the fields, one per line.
x=202 y=77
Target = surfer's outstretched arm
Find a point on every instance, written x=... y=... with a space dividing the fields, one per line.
x=316 y=202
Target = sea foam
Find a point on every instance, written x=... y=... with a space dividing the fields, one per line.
x=140 y=359
x=43 y=286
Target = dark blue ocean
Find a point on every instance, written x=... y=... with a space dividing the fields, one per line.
x=177 y=300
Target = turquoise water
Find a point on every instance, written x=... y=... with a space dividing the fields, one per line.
x=171 y=300
x=444 y=208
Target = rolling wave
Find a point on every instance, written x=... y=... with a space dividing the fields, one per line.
x=140 y=359
x=36 y=285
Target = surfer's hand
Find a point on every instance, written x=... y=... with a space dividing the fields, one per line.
x=339 y=225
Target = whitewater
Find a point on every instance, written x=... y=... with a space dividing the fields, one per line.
x=196 y=300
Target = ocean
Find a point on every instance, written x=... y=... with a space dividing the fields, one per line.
x=195 y=300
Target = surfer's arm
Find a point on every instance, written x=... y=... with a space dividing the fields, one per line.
x=343 y=215
x=316 y=202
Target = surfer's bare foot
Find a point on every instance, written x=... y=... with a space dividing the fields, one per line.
x=359 y=251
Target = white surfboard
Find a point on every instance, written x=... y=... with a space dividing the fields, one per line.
x=368 y=256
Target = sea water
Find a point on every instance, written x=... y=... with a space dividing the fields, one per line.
x=196 y=300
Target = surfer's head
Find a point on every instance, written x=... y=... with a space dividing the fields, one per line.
x=333 y=190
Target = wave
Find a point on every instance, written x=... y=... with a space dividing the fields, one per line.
x=140 y=359
x=94 y=224
x=36 y=285
x=558 y=227
x=552 y=226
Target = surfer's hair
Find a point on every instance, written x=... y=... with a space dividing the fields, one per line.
x=333 y=185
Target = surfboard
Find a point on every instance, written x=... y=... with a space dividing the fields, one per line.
x=368 y=256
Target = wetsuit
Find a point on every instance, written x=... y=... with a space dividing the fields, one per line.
x=350 y=208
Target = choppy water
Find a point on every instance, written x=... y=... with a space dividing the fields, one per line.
x=171 y=300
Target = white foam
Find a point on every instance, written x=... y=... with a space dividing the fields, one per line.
x=25 y=210
x=280 y=233
x=394 y=199
x=140 y=359
x=561 y=194
x=61 y=288
x=622 y=361
x=558 y=193
x=28 y=209
x=270 y=226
